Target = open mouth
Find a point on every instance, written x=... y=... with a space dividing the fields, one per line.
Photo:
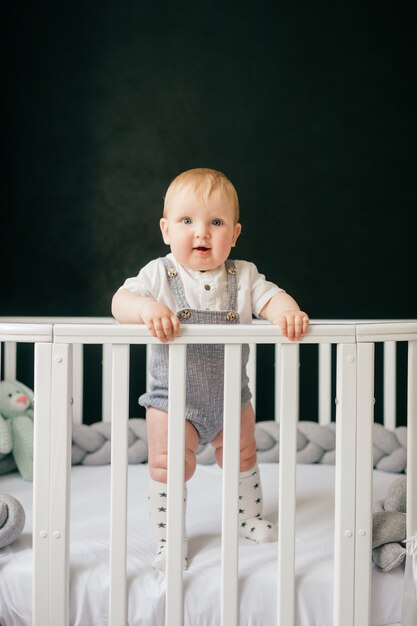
x=201 y=249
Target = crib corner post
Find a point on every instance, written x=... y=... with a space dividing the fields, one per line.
x=41 y=484
x=51 y=483
x=364 y=469
x=60 y=468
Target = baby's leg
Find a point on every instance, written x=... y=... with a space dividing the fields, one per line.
x=251 y=523
x=157 y=427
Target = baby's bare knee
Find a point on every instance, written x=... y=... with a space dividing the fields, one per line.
x=218 y=453
x=190 y=465
x=158 y=467
x=191 y=445
x=248 y=456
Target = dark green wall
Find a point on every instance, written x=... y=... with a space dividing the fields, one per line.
x=309 y=108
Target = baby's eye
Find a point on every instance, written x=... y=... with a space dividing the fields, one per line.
x=217 y=222
x=187 y=220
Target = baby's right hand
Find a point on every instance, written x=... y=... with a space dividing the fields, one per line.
x=160 y=321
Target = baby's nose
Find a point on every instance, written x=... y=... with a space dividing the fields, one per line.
x=202 y=231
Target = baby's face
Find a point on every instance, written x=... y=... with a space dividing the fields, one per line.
x=200 y=231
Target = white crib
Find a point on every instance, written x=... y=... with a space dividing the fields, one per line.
x=58 y=362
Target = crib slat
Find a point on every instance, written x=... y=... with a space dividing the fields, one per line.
x=60 y=469
x=148 y=368
x=251 y=370
x=277 y=380
x=176 y=455
x=41 y=484
x=289 y=389
x=344 y=561
x=364 y=475
x=325 y=383
x=106 y=384
x=119 y=438
x=77 y=383
x=390 y=384
x=412 y=440
x=231 y=458
x=10 y=350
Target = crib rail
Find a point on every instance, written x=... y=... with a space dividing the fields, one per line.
x=35 y=325
x=243 y=333
x=57 y=344
x=14 y=334
x=25 y=333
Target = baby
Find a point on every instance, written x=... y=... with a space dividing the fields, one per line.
x=197 y=283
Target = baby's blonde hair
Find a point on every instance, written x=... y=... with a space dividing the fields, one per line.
x=203 y=181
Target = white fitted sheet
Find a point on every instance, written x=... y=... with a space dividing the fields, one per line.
x=89 y=569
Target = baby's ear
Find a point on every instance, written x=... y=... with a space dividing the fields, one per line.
x=237 y=231
x=163 y=224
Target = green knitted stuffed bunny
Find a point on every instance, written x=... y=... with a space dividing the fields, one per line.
x=16 y=425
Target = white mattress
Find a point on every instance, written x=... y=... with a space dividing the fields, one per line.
x=257 y=563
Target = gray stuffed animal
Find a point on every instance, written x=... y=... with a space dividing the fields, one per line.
x=389 y=527
x=12 y=519
x=16 y=427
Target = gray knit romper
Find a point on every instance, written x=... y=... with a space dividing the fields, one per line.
x=205 y=362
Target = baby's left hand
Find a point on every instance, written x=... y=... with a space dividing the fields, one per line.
x=293 y=324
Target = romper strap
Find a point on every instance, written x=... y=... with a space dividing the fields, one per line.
x=231 y=285
x=176 y=285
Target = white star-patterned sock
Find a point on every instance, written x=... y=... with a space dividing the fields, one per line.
x=158 y=493
x=251 y=523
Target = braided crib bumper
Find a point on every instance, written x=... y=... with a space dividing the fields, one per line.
x=316 y=444
x=91 y=445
